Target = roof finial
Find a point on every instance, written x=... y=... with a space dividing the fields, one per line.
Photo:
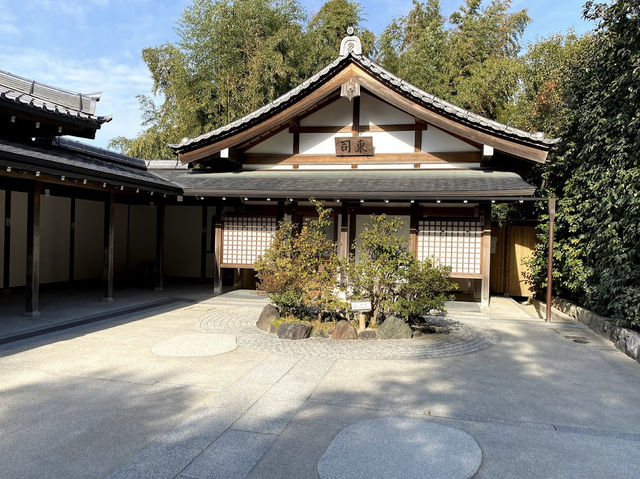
x=350 y=44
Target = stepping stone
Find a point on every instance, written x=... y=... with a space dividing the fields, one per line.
x=397 y=448
x=195 y=345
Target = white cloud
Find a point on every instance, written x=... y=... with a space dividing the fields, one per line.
x=118 y=82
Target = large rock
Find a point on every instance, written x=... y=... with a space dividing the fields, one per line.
x=394 y=328
x=368 y=334
x=344 y=330
x=294 y=330
x=268 y=314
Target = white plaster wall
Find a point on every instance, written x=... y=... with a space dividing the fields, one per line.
x=18 y=267
x=338 y=113
x=363 y=220
x=318 y=143
x=435 y=140
x=376 y=112
x=120 y=239
x=182 y=241
x=2 y=203
x=392 y=141
x=55 y=223
x=142 y=238
x=89 y=239
x=279 y=144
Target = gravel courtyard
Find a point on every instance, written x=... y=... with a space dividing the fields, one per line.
x=195 y=391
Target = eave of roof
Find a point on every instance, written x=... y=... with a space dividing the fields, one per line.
x=352 y=184
x=33 y=96
x=426 y=99
x=87 y=163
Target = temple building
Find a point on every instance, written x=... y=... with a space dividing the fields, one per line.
x=354 y=136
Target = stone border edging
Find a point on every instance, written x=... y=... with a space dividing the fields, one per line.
x=625 y=340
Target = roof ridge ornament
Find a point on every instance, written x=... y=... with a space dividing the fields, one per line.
x=350 y=44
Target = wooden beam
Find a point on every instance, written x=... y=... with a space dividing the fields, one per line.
x=109 y=246
x=485 y=257
x=6 y=265
x=552 y=218
x=381 y=158
x=520 y=149
x=269 y=124
x=355 y=125
x=32 y=289
x=160 y=226
x=358 y=128
x=72 y=240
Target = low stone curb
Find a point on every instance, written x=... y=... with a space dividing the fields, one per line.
x=625 y=340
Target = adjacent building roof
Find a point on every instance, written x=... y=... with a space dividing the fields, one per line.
x=352 y=184
x=75 y=159
x=426 y=99
x=36 y=96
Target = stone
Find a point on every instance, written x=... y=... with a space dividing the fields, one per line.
x=400 y=447
x=294 y=331
x=319 y=333
x=268 y=314
x=394 y=328
x=368 y=334
x=344 y=330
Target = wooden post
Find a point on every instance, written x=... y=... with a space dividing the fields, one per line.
x=160 y=220
x=6 y=265
x=280 y=213
x=72 y=241
x=343 y=250
x=486 y=258
x=413 y=229
x=203 y=245
x=352 y=229
x=217 y=245
x=109 y=230
x=507 y=251
x=32 y=295
x=552 y=218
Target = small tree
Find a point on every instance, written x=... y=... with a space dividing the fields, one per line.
x=299 y=270
x=387 y=274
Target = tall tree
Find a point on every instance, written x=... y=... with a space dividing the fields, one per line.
x=596 y=172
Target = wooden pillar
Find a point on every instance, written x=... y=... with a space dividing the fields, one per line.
x=413 y=229
x=6 y=265
x=72 y=241
x=343 y=250
x=507 y=252
x=217 y=246
x=552 y=219
x=352 y=229
x=280 y=213
x=203 y=245
x=32 y=289
x=109 y=244
x=486 y=257
x=160 y=221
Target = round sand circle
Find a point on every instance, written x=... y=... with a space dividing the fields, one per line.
x=195 y=345
x=395 y=447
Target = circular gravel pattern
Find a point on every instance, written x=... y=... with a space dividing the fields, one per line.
x=396 y=448
x=195 y=345
x=463 y=338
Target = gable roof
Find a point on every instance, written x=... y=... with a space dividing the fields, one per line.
x=427 y=102
x=34 y=96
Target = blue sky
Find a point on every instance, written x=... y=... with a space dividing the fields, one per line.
x=95 y=45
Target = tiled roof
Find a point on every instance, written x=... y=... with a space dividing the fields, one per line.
x=418 y=95
x=78 y=159
x=48 y=99
x=354 y=184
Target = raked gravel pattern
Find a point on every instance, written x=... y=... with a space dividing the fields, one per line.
x=463 y=338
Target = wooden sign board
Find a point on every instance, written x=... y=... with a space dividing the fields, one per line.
x=362 y=306
x=354 y=146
